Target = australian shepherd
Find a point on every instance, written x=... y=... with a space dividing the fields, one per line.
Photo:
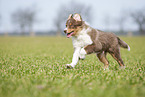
x=87 y=40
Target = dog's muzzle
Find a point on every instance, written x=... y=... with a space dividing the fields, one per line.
x=70 y=34
x=65 y=30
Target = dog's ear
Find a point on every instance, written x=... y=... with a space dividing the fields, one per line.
x=70 y=16
x=77 y=17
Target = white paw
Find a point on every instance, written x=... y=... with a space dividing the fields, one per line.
x=82 y=57
x=69 y=66
x=82 y=54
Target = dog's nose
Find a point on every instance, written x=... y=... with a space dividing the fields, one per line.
x=65 y=30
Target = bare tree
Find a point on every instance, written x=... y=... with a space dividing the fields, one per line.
x=18 y=18
x=0 y=18
x=107 y=21
x=138 y=17
x=121 y=20
x=0 y=14
x=31 y=19
x=71 y=8
x=24 y=18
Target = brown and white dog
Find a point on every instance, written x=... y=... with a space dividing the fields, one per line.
x=87 y=40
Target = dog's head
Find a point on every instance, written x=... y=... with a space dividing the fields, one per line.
x=72 y=25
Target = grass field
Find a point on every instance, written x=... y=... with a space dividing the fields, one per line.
x=35 y=67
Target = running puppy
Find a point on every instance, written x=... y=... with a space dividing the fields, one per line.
x=87 y=40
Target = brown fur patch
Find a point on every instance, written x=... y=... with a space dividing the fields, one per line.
x=105 y=42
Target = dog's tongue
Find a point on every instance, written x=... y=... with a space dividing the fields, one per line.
x=69 y=35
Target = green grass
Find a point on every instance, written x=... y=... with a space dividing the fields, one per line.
x=35 y=67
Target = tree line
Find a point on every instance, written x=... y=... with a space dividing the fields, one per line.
x=25 y=19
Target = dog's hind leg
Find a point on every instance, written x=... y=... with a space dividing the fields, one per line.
x=103 y=59
x=116 y=55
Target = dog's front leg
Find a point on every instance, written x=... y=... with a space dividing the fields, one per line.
x=82 y=54
x=75 y=58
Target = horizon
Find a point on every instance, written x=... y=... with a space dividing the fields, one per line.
x=47 y=10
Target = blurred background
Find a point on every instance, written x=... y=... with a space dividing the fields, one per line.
x=48 y=17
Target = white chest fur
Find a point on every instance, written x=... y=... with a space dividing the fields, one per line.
x=83 y=39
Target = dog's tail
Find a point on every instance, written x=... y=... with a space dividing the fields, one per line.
x=123 y=44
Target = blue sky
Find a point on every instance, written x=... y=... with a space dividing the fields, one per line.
x=47 y=10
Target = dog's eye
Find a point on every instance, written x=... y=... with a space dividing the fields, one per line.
x=66 y=25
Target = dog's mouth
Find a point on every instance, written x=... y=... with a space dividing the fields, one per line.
x=70 y=34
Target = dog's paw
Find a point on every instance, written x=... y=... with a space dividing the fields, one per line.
x=122 y=67
x=106 y=67
x=81 y=58
x=68 y=66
